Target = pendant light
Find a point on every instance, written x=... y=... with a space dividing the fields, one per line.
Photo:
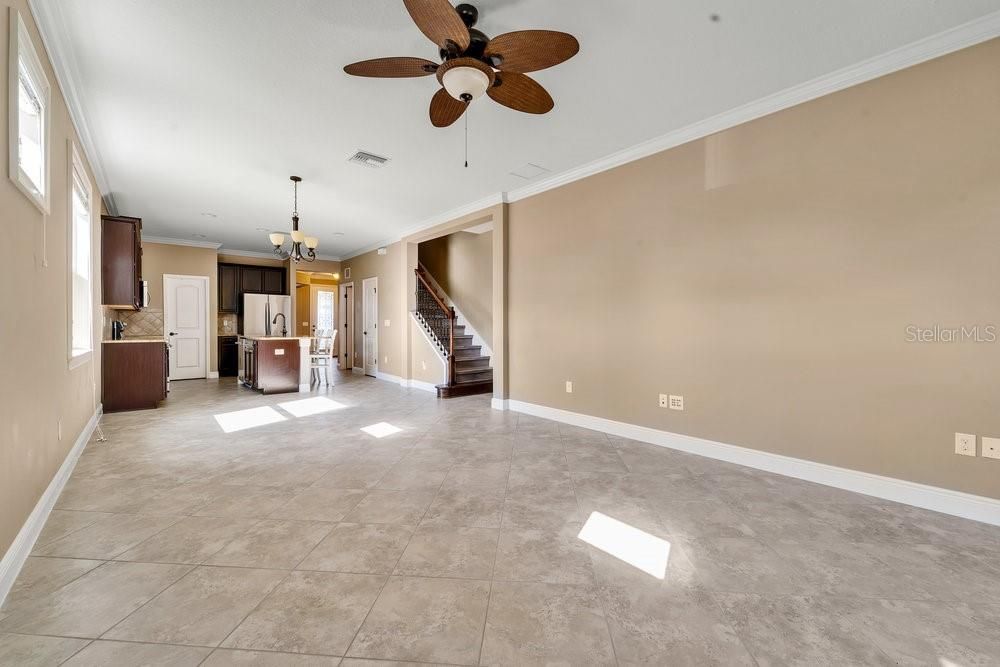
x=299 y=239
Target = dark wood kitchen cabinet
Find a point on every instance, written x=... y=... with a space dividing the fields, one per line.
x=229 y=288
x=121 y=262
x=228 y=356
x=235 y=280
x=251 y=279
x=133 y=374
x=274 y=281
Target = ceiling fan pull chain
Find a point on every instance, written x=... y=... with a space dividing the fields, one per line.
x=467 y=138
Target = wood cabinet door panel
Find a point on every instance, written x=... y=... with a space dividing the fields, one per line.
x=251 y=279
x=274 y=281
x=229 y=291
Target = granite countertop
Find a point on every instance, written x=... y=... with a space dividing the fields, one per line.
x=139 y=339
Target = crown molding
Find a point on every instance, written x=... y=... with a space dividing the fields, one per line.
x=213 y=245
x=249 y=253
x=935 y=46
x=433 y=221
x=52 y=27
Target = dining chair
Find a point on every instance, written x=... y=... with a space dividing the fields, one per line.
x=321 y=355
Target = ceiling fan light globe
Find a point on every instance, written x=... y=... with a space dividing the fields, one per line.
x=298 y=237
x=312 y=242
x=277 y=239
x=465 y=81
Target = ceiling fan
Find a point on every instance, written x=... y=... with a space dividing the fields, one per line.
x=473 y=64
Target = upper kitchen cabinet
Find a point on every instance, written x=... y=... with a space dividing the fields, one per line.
x=274 y=281
x=235 y=280
x=251 y=279
x=229 y=288
x=121 y=262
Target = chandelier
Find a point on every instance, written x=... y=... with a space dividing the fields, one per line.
x=299 y=239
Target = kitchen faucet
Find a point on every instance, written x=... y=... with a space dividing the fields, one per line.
x=284 y=331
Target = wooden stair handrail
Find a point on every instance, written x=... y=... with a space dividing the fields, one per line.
x=450 y=312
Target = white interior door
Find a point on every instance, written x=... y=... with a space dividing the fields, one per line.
x=321 y=309
x=370 y=311
x=346 y=336
x=185 y=318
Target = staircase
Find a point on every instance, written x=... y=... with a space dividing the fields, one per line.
x=469 y=372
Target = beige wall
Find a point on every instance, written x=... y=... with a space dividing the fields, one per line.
x=160 y=258
x=38 y=388
x=426 y=365
x=250 y=261
x=462 y=264
x=391 y=306
x=769 y=274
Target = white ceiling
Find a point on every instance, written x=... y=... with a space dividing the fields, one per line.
x=206 y=107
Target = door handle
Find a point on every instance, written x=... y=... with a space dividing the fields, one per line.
x=173 y=333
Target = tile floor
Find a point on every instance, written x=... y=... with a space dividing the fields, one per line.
x=303 y=540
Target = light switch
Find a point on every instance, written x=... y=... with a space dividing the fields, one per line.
x=387 y=324
x=569 y=387
x=676 y=402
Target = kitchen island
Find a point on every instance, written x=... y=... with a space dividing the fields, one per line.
x=273 y=364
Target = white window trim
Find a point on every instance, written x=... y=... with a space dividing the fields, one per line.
x=21 y=45
x=76 y=164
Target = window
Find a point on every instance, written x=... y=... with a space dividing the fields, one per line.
x=29 y=117
x=324 y=311
x=80 y=289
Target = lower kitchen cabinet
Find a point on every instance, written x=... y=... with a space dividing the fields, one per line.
x=133 y=374
x=229 y=352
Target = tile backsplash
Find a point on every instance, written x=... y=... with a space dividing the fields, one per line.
x=227 y=324
x=146 y=322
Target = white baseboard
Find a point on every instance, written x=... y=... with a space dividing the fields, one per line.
x=305 y=388
x=213 y=375
x=379 y=375
x=956 y=503
x=421 y=385
x=499 y=403
x=17 y=554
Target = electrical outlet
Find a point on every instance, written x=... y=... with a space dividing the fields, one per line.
x=387 y=323
x=991 y=448
x=59 y=430
x=965 y=444
x=676 y=402
x=569 y=387
x=664 y=401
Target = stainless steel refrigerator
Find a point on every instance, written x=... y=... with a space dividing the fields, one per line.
x=267 y=315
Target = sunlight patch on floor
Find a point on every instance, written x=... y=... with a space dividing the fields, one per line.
x=242 y=420
x=381 y=429
x=310 y=406
x=627 y=543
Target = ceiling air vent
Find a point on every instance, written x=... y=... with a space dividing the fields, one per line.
x=369 y=160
